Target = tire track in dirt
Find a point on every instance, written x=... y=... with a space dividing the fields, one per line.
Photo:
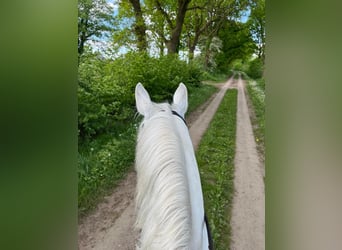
x=111 y=225
x=248 y=213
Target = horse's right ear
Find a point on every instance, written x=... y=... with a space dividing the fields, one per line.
x=142 y=99
x=180 y=99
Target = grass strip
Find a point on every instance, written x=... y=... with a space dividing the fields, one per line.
x=215 y=157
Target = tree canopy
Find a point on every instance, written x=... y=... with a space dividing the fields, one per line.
x=169 y=26
x=257 y=25
x=210 y=30
x=237 y=44
x=95 y=17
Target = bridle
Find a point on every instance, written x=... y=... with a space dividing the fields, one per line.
x=176 y=114
x=210 y=239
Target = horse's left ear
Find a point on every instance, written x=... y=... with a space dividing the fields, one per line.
x=142 y=99
x=180 y=99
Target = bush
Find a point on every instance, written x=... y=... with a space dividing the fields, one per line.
x=106 y=87
x=239 y=65
x=255 y=69
x=195 y=74
x=101 y=101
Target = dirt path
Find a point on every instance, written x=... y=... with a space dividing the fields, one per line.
x=248 y=214
x=110 y=226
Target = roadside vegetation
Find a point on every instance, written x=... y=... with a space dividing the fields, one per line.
x=215 y=157
x=255 y=87
x=256 y=93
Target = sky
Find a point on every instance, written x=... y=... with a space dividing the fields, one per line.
x=114 y=5
x=245 y=16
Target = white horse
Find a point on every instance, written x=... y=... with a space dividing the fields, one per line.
x=169 y=200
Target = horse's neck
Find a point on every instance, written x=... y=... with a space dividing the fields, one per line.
x=198 y=237
x=162 y=196
x=195 y=189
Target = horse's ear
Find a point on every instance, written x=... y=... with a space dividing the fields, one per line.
x=142 y=99
x=180 y=99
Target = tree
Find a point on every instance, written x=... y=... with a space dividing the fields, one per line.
x=237 y=44
x=94 y=18
x=172 y=15
x=214 y=48
x=131 y=16
x=205 y=19
x=256 y=24
x=140 y=27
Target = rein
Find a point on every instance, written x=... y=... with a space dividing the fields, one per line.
x=210 y=239
x=176 y=114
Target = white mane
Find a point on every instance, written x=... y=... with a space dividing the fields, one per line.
x=169 y=200
x=162 y=197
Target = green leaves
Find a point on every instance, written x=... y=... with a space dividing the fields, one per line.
x=101 y=163
x=95 y=17
x=106 y=87
x=257 y=25
x=237 y=44
x=255 y=69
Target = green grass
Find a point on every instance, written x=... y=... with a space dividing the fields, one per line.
x=215 y=157
x=104 y=160
x=261 y=83
x=256 y=92
x=101 y=163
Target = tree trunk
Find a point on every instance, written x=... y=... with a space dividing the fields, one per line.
x=173 y=44
x=82 y=37
x=140 y=27
x=191 y=53
x=161 y=48
x=192 y=46
x=81 y=42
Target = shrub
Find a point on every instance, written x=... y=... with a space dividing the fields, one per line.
x=239 y=65
x=255 y=69
x=106 y=87
x=195 y=74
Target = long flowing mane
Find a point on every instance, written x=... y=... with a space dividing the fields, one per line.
x=162 y=198
x=169 y=200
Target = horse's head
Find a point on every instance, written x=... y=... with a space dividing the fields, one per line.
x=148 y=109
